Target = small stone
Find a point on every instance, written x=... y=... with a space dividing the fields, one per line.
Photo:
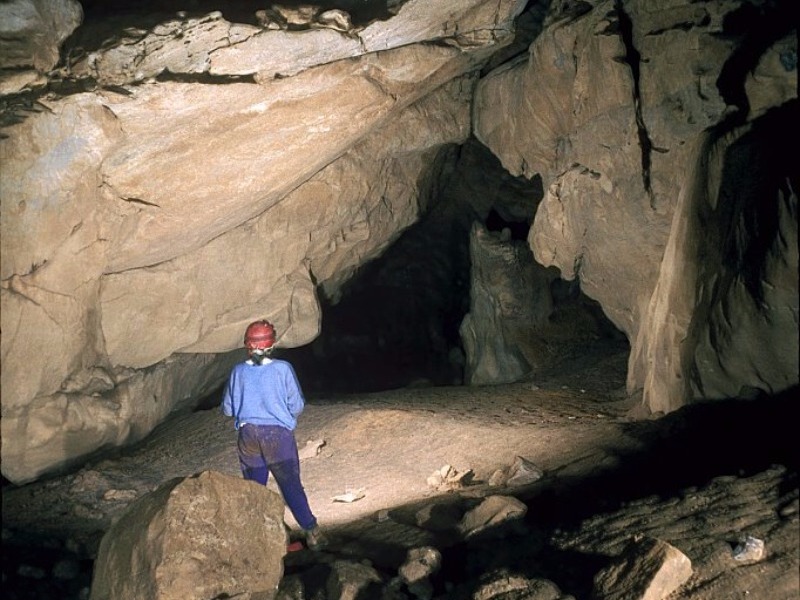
x=120 y=495
x=491 y=513
x=311 y=449
x=523 y=472
x=420 y=564
x=750 y=549
x=382 y=516
x=498 y=478
x=350 y=496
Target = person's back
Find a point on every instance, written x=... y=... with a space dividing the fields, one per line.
x=264 y=394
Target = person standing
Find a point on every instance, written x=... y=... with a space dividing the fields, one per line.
x=264 y=398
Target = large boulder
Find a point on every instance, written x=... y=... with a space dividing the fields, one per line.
x=194 y=538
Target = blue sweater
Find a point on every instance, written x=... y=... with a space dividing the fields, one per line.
x=267 y=394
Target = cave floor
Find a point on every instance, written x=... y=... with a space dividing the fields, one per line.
x=700 y=479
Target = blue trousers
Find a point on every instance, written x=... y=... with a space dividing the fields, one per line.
x=265 y=449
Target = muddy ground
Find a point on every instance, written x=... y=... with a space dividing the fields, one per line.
x=701 y=479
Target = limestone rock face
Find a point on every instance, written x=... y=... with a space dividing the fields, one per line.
x=723 y=320
x=207 y=536
x=145 y=225
x=163 y=184
x=100 y=409
x=192 y=299
x=580 y=119
x=609 y=107
x=234 y=151
x=31 y=33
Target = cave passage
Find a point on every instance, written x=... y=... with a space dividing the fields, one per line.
x=397 y=322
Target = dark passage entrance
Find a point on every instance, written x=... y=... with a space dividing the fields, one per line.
x=396 y=322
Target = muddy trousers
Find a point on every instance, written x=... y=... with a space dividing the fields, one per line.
x=265 y=449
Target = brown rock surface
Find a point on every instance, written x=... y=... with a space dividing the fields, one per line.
x=200 y=537
x=127 y=209
x=613 y=107
x=31 y=33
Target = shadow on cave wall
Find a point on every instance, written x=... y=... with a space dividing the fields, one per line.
x=396 y=322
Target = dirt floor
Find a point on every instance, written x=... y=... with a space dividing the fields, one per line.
x=700 y=479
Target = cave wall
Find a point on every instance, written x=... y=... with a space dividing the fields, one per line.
x=722 y=321
x=162 y=204
x=167 y=177
x=615 y=106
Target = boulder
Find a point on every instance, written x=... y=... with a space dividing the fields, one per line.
x=648 y=569
x=200 y=537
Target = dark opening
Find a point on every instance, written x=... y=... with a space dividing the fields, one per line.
x=397 y=322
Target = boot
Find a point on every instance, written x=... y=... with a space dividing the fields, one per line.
x=315 y=539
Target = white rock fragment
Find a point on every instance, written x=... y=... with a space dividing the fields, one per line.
x=350 y=496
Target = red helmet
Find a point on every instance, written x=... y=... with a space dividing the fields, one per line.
x=259 y=335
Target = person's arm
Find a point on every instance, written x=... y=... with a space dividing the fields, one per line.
x=294 y=395
x=227 y=399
